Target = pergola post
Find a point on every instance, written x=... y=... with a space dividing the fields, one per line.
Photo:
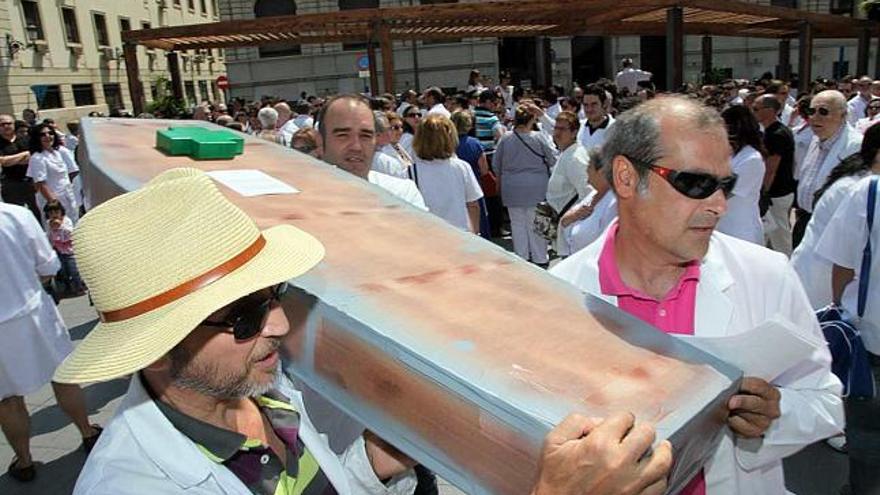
x=174 y=69
x=132 y=72
x=805 y=57
x=877 y=60
x=374 y=73
x=674 y=47
x=864 y=48
x=783 y=68
x=387 y=58
x=706 y=67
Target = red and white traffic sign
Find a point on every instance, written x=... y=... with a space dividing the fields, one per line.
x=222 y=82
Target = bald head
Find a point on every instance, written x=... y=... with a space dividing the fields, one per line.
x=284 y=112
x=828 y=110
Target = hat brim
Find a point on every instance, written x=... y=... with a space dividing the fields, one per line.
x=113 y=350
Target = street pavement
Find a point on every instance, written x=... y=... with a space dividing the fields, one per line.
x=55 y=443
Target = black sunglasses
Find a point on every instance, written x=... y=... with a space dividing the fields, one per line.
x=248 y=315
x=813 y=111
x=696 y=185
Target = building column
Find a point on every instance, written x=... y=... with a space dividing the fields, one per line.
x=864 y=48
x=805 y=57
x=783 y=68
x=387 y=49
x=173 y=60
x=132 y=73
x=706 y=67
x=674 y=47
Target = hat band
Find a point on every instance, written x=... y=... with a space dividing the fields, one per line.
x=185 y=288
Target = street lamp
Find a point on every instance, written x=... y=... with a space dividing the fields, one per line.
x=33 y=33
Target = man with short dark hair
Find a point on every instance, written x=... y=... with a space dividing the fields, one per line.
x=435 y=100
x=629 y=77
x=779 y=184
x=598 y=120
x=15 y=186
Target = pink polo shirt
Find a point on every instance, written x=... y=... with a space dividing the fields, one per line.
x=672 y=314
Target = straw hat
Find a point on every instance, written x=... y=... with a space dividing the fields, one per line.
x=161 y=259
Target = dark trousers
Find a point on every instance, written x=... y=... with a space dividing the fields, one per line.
x=427 y=481
x=863 y=439
x=801 y=219
x=21 y=193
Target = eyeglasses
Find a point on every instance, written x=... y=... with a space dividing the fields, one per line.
x=248 y=315
x=6 y=123
x=820 y=110
x=695 y=185
x=50 y=133
x=397 y=127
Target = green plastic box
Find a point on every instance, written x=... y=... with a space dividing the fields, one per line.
x=199 y=143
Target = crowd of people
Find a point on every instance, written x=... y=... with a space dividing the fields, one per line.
x=706 y=211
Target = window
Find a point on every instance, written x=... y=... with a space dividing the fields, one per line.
x=215 y=9
x=146 y=25
x=71 y=31
x=124 y=24
x=353 y=5
x=113 y=96
x=176 y=3
x=154 y=91
x=101 y=35
x=190 y=90
x=203 y=90
x=842 y=7
x=32 y=17
x=47 y=95
x=83 y=95
x=271 y=8
x=191 y=5
x=204 y=6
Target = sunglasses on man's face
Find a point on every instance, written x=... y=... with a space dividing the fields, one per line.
x=247 y=316
x=820 y=110
x=696 y=185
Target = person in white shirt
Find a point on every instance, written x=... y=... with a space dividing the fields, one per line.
x=598 y=121
x=35 y=339
x=568 y=182
x=834 y=140
x=447 y=183
x=743 y=217
x=588 y=219
x=812 y=268
x=630 y=77
x=53 y=169
x=408 y=99
x=303 y=116
x=435 y=99
x=669 y=165
x=859 y=103
x=390 y=162
x=475 y=82
x=872 y=112
x=844 y=244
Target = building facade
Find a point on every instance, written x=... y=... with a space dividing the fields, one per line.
x=289 y=70
x=64 y=58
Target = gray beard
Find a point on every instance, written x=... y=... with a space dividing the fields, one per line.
x=208 y=380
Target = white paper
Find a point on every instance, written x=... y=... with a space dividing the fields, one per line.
x=252 y=182
x=766 y=351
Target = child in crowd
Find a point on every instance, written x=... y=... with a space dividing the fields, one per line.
x=60 y=232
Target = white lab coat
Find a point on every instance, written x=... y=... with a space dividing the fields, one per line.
x=843 y=244
x=849 y=142
x=742 y=285
x=743 y=217
x=140 y=451
x=814 y=270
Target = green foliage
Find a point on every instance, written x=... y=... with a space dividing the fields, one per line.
x=716 y=75
x=166 y=105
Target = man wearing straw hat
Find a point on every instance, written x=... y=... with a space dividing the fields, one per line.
x=188 y=294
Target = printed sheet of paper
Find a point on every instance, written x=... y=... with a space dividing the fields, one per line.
x=252 y=182
x=766 y=351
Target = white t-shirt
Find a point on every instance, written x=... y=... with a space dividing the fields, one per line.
x=53 y=168
x=743 y=217
x=569 y=177
x=630 y=78
x=385 y=164
x=404 y=189
x=447 y=186
x=589 y=139
x=843 y=243
x=583 y=232
x=285 y=134
x=439 y=109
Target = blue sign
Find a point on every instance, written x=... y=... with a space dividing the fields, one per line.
x=363 y=62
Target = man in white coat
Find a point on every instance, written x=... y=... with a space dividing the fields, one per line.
x=834 y=140
x=662 y=262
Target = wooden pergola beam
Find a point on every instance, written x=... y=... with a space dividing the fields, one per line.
x=805 y=57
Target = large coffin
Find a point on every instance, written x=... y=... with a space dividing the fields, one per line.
x=446 y=345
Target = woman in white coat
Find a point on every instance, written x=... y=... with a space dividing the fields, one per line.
x=743 y=217
x=52 y=168
x=586 y=221
x=813 y=269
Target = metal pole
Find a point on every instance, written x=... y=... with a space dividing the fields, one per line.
x=415 y=57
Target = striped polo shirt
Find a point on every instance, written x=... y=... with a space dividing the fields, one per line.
x=484 y=128
x=255 y=464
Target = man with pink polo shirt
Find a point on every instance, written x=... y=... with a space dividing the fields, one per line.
x=668 y=161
